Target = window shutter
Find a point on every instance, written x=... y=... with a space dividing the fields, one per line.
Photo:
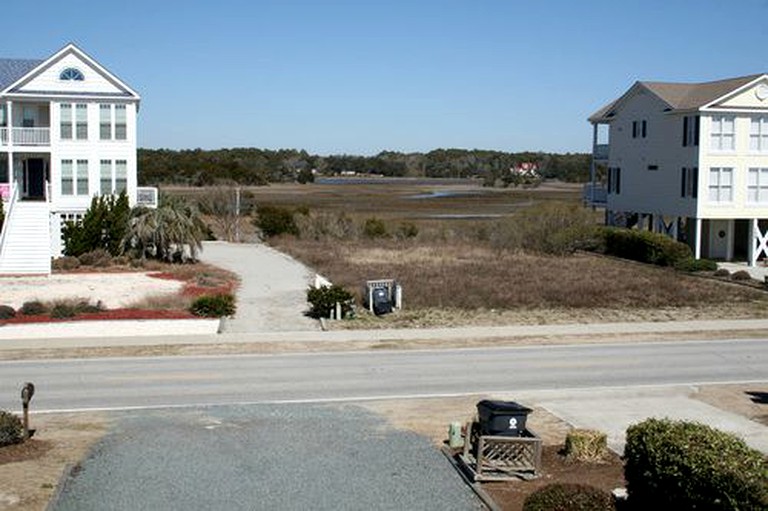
x=618 y=180
x=610 y=180
x=696 y=131
x=695 y=191
x=634 y=129
x=682 y=182
x=645 y=128
x=685 y=131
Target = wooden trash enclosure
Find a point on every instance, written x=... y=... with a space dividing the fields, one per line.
x=500 y=458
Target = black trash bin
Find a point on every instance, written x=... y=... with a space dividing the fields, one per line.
x=382 y=304
x=502 y=418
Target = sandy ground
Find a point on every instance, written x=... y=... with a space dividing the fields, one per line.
x=114 y=290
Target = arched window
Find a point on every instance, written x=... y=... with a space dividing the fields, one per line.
x=71 y=73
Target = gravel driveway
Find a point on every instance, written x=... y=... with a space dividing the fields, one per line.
x=273 y=287
x=263 y=457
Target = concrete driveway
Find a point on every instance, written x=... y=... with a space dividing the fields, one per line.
x=263 y=457
x=273 y=287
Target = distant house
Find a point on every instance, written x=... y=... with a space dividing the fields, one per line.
x=689 y=160
x=526 y=170
x=67 y=134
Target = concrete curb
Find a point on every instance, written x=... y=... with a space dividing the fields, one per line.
x=112 y=328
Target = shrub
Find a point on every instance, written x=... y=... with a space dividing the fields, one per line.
x=742 y=275
x=685 y=465
x=324 y=299
x=11 y=429
x=569 y=497
x=585 y=445
x=33 y=308
x=275 y=220
x=63 y=310
x=694 y=265
x=103 y=226
x=98 y=258
x=406 y=230
x=644 y=246
x=321 y=226
x=374 y=228
x=722 y=272
x=550 y=228
x=7 y=312
x=66 y=263
x=213 y=306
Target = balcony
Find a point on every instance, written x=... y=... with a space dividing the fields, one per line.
x=594 y=194
x=25 y=136
x=600 y=152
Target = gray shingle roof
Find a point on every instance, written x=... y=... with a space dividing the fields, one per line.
x=13 y=69
x=682 y=96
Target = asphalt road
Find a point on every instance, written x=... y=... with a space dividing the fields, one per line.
x=125 y=383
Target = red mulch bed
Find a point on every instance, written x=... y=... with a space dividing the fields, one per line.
x=103 y=315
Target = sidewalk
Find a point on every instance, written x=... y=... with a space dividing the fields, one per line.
x=15 y=337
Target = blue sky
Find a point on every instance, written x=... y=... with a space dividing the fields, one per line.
x=359 y=77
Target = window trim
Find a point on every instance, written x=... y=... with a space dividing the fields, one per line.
x=71 y=74
x=758 y=186
x=761 y=135
x=720 y=134
x=718 y=186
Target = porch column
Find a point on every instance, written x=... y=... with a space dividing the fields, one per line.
x=697 y=240
x=729 y=241
x=593 y=167
x=9 y=142
x=751 y=247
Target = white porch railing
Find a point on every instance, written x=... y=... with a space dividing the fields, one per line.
x=31 y=136
x=14 y=195
x=146 y=196
x=3 y=136
x=594 y=194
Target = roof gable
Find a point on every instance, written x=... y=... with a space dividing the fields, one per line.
x=681 y=96
x=752 y=95
x=45 y=77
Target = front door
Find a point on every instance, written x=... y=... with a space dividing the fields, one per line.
x=35 y=178
x=719 y=239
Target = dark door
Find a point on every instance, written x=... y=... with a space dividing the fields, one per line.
x=36 y=178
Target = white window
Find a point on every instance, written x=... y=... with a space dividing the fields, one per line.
x=105 y=122
x=121 y=129
x=65 y=121
x=105 y=177
x=82 y=177
x=757 y=185
x=121 y=176
x=81 y=121
x=722 y=134
x=758 y=135
x=720 y=184
x=67 y=178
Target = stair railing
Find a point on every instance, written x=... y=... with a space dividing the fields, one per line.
x=8 y=216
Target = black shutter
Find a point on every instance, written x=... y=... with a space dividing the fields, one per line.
x=618 y=180
x=682 y=182
x=695 y=193
x=610 y=179
x=634 y=129
x=696 y=132
x=645 y=126
x=685 y=131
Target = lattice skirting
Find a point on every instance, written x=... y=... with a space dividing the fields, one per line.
x=499 y=458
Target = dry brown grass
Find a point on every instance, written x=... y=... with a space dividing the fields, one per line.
x=464 y=276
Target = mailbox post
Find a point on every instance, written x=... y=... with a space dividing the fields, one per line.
x=26 y=396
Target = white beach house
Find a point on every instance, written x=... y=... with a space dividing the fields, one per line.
x=689 y=160
x=67 y=134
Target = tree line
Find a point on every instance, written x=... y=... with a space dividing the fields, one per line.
x=251 y=166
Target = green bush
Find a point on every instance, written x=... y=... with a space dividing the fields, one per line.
x=104 y=226
x=549 y=228
x=644 y=246
x=33 y=308
x=7 y=312
x=213 y=306
x=569 y=497
x=722 y=272
x=694 y=265
x=275 y=220
x=685 y=465
x=374 y=228
x=63 y=310
x=324 y=299
x=11 y=429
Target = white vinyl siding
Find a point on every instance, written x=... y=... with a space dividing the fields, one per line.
x=758 y=135
x=720 y=184
x=757 y=186
x=722 y=133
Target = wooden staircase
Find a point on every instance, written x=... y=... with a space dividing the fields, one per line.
x=25 y=247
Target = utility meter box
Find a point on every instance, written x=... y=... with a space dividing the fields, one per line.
x=502 y=418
